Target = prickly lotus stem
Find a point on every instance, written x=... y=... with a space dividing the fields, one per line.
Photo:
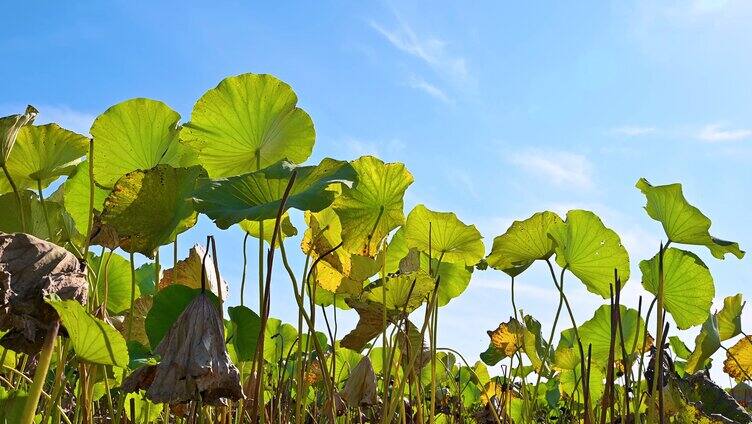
x=30 y=270
x=194 y=365
x=360 y=389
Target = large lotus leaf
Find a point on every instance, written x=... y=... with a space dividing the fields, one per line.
x=372 y=208
x=443 y=235
x=453 y=278
x=76 y=192
x=12 y=405
x=738 y=363
x=136 y=134
x=92 y=339
x=246 y=327
x=254 y=228
x=247 y=123
x=706 y=344
x=523 y=243
x=597 y=332
x=190 y=271
x=9 y=127
x=590 y=250
x=167 y=307
x=280 y=340
x=114 y=278
x=42 y=154
x=730 y=317
x=403 y=292
x=257 y=196
x=570 y=385
x=508 y=337
x=682 y=222
x=320 y=238
x=687 y=286
x=148 y=209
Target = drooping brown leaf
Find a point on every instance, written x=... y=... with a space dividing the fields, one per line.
x=360 y=388
x=30 y=269
x=194 y=365
x=370 y=324
x=188 y=272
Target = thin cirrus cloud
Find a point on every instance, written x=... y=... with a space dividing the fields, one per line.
x=715 y=133
x=430 y=89
x=633 y=130
x=559 y=167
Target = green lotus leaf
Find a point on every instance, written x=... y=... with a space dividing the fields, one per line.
x=148 y=209
x=168 y=304
x=12 y=405
x=679 y=347
x=92 y=339
x=597 y=332
x=145 y=410
x=372 y=208
x=10 y=218
x=688 y=286
x=136 y=134
x=9 y=127
x=403 y=292
x=570 y=383
x=280 y=340
x=682 y=222
x=523 y=243
x=114 y=279
x=246 y=327
x=453 y=278
x=396 y=250
x=443 y=236
x=76 y=191
x=42 y=154
x=730 y=317
x=253 y=228
x=146 y=278
x=247 y=123
x=591 y=251
x=256 y=196
x=706 y=344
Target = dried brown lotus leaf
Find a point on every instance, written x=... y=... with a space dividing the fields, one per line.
x=194 y=365
x=30 y=270
x=188 y=272
x=370 y=323
x=360 y=388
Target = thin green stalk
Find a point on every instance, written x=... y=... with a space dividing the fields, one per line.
x=44 y=209
x=19 y=203
x=40 y=374
x=245 y=266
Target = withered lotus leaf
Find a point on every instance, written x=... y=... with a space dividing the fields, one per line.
x=360 y=389
x=30 y=270
x=188 y=272
x=194 y=365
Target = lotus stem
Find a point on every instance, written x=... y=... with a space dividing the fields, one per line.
x=40 y=374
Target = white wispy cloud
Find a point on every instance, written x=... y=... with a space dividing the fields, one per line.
x=430 y=89
x=633 y=130
x=559 y=167
x=431 y=50
x=718 y=132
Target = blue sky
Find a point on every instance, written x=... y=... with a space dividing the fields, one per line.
x=499 y=110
